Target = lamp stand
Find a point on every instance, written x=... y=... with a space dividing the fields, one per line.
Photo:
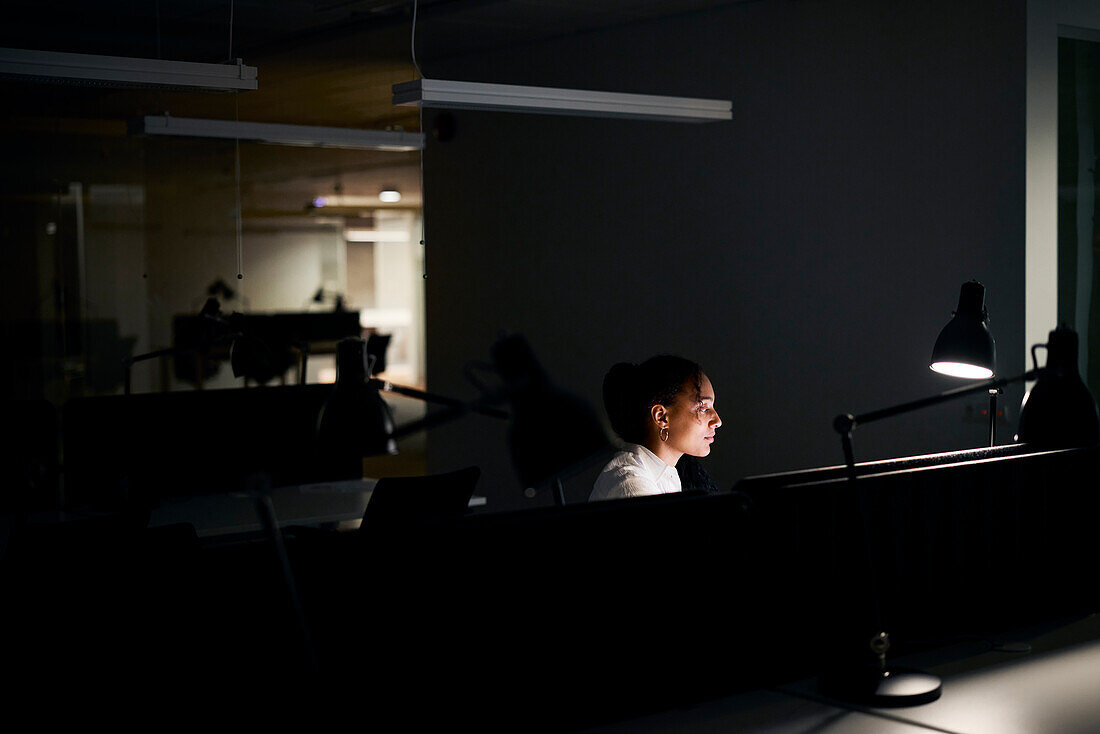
x=266 y=511
x=879 y=684
x=993 y=393
x=875 y=684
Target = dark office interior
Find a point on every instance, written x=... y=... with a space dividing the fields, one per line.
x=188 y=498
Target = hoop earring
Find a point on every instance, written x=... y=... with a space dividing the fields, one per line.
x=663 y=433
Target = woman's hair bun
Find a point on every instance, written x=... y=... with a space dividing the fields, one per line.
x=620 y=377
x=630 y=389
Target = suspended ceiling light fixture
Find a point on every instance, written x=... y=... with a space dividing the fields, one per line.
x=126 y=71
x=424 y=92
x=376 y=235
x=278 y=134
x=551 y=100
x=344 y=201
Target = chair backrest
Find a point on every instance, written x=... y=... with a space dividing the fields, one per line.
x=401 y=501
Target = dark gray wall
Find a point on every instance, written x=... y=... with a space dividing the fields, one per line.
x=806 y=253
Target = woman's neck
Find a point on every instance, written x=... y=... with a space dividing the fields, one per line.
x=663 y=451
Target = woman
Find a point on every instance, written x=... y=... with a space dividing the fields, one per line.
x=663 y=408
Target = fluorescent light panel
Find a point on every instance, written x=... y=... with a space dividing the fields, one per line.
x=127 y=71
x=376 y=235
x=264 y=132
x=550 y=100
x=384 y=317
x=344 y=201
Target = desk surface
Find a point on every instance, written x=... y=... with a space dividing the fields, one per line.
x=1051 y=690
x=329 y=503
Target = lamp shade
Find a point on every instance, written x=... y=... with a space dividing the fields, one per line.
x=965 y=348
x=1059 y=411
x=354 y=422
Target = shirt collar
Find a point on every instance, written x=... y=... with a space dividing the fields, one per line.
x=654 y=463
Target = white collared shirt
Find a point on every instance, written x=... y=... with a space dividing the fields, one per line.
x=634 y=472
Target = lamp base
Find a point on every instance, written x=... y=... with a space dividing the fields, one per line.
x=883 y=687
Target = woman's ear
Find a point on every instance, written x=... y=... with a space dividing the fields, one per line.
x=659 y=414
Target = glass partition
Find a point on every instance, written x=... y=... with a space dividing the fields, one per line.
x=114 y=243
x=1078 y=113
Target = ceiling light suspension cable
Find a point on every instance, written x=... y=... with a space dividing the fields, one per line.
x=423 y=217
x=412 y=42
x=238 y=214
x=232 y=3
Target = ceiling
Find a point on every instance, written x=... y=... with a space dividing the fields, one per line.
x=217 y=30
x=321 y=62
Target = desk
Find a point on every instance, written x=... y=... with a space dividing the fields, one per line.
x=339 y=503
x=1050 y=690
x=235 y=513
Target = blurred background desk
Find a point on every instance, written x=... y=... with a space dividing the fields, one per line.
x=326 y=504
x=336 y=505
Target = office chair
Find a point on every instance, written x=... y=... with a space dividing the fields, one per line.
x=377 y=345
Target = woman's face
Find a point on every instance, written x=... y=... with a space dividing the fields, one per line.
x=692 y=419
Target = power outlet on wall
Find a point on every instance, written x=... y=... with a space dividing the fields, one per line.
x=979 y=413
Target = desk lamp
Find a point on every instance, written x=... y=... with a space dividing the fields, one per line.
x=1059 y=410
x=966 y=349
x=354 y=421
x=1060 y=413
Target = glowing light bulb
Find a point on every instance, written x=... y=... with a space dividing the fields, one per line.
x=960 y=369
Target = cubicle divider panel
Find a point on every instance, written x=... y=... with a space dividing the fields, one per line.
x=946 y=549
x=709 y=593
x=29 y=456
x=668 y=591
x=648 y=602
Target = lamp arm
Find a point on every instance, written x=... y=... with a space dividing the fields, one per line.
x=129 y=361
x=477 y=406
x=845 y=423
x=448 y=414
